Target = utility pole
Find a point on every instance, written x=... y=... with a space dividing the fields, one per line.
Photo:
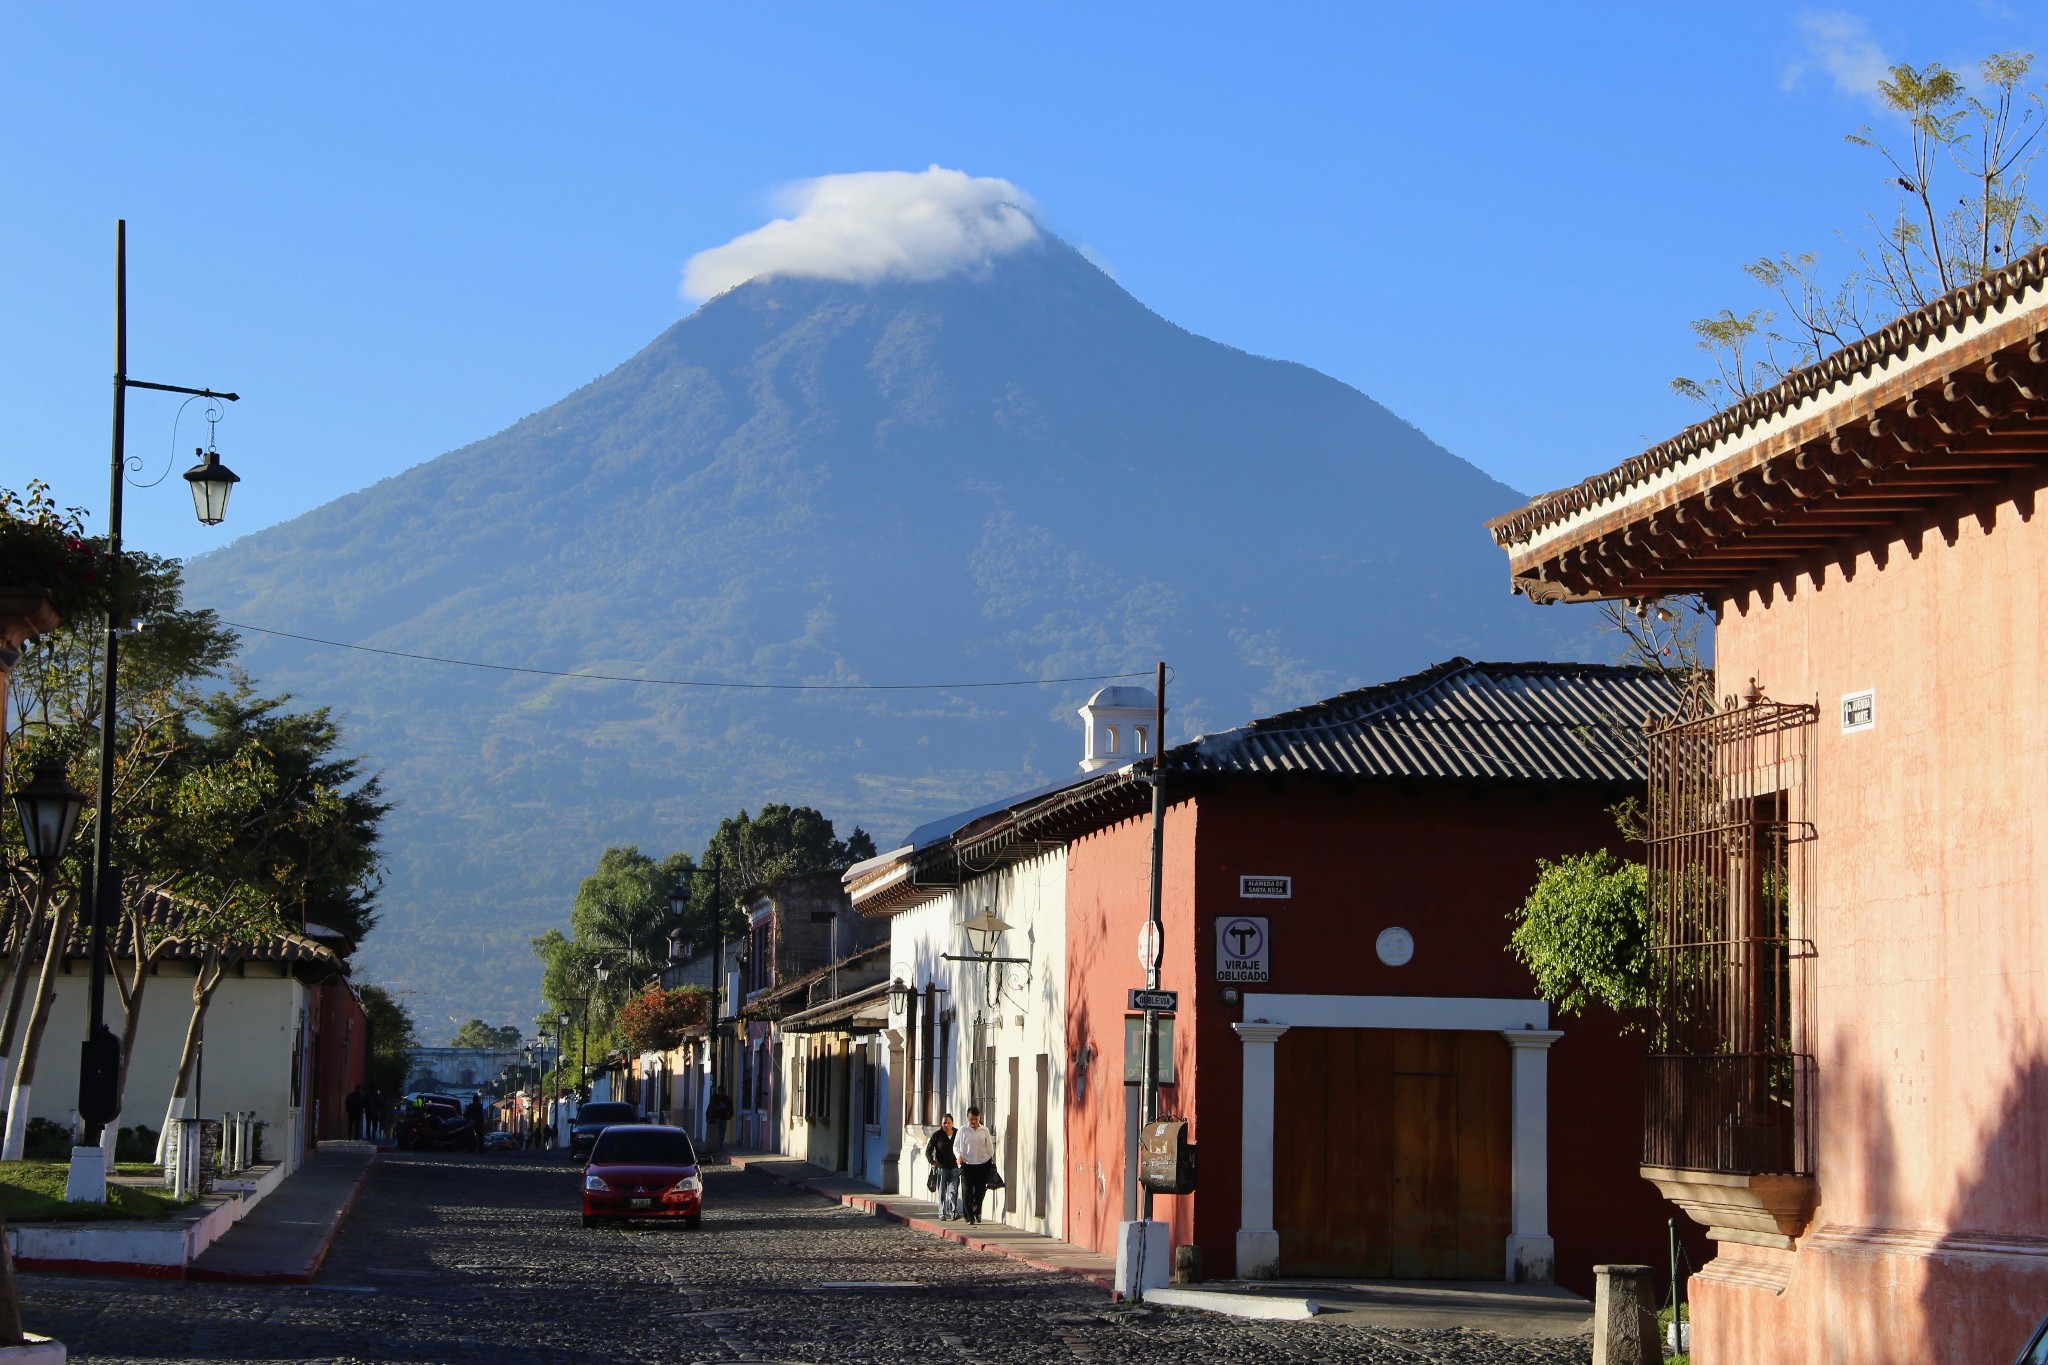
x=1150 y=1094
x=717 y=976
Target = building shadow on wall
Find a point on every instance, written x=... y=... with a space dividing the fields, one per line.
x=1999 y=1223
x=1861 y=1326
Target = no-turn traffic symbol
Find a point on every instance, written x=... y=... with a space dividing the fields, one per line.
x=1243 y=948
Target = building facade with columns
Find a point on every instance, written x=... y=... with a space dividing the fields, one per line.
x=1368 y=1076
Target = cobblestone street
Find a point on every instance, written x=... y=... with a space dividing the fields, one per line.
x=468 y=1259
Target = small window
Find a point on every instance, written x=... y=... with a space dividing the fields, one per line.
x=1140 y=739
x=1859 y=710
x=1109 y=739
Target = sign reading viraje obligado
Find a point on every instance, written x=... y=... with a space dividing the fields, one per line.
x=1244 y=948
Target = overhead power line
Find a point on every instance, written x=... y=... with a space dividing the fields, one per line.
x=689 y=682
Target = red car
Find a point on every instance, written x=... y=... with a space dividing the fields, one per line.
x=643 y=1170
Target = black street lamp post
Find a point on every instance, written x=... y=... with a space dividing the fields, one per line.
x=211 y=482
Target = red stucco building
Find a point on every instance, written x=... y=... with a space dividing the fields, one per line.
x=1860 y=1116
x=1383 y=1104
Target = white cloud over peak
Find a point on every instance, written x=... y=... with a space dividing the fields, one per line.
x=873 y=225
x=1841 y=46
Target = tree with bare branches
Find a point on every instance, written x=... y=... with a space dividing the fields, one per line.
x=1935 y=237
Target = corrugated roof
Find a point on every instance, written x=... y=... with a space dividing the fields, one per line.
x=1531 y=722
x=1571 y=724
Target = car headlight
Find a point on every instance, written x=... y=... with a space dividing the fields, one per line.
x=689 y=1184
x=596 y=1182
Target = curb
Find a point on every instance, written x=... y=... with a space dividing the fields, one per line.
x=194 y=1272
x=1268 y=1307
x=127 y=1270
x=876 y=1206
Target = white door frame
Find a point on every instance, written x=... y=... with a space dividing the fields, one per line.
x=1522 y=1024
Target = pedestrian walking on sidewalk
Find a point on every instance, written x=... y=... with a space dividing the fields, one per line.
x=975 y=1147
x=375 y=1114
x=716 y=1113
x=354 y=1104
x=939 y=1153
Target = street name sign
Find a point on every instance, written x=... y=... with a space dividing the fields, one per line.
x=1155 y=1000
x=1243 y=948
x=1265 y=888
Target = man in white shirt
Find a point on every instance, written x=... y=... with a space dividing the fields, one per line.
x=975 y=1147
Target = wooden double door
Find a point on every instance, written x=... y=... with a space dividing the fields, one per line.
x=1392 y=1154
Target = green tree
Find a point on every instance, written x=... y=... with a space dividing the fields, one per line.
x=621 y=912
x=267 y=828
x=476 y=1033
x=393 y=1036
x=1933 y=239
x=1584 y=934
x=749 y=852
x=620 y=921
x=54 y=715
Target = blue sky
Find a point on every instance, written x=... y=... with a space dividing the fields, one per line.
x=396 y=229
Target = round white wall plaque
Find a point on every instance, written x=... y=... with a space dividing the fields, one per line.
x=1395 y=947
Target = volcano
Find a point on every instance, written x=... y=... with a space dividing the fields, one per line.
x=1017 y=471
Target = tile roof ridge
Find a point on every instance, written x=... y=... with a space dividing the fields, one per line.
x=1383 y=694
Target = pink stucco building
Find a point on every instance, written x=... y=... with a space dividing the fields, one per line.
x=1858 y=1108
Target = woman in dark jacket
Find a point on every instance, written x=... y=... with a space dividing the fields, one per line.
x=939 y=1152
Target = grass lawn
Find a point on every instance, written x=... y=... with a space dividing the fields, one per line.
x=33 y=1192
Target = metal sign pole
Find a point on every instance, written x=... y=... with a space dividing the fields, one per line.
x=1150 y=1094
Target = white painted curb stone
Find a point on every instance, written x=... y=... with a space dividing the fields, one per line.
x=1271 y=1307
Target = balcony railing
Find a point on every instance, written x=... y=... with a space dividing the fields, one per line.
x=1735 y=1114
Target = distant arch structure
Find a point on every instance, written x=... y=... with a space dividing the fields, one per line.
x=458 y=1070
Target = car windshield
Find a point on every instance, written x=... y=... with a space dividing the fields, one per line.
x=644 y=1146
x=606 y=1113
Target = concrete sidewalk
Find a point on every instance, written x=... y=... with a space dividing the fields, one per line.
x=1511 y=1310
x=284 y=1239
x=1032 y=1248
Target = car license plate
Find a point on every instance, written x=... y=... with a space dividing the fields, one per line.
x=639 y=1203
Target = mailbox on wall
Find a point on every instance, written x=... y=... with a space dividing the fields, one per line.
x=1166 y=1159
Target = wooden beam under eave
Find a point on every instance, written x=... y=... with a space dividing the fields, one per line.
x=2005 y=455
x=1736 y=554
x=1935 y=477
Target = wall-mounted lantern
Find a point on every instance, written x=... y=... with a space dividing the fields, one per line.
x=984 y=943
x=985 y=934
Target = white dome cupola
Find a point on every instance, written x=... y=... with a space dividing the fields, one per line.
x=1117 y=725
